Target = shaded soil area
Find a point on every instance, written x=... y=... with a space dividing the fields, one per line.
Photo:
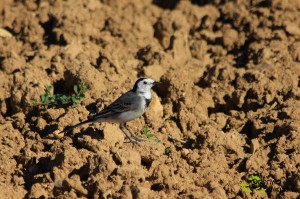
x=227 y=107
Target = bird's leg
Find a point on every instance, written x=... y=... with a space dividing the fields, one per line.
x=127 y=136
x=132 y=135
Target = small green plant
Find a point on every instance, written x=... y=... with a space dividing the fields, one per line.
x=168 y=151
x=146 y=132
x=254 y=183
x=47 y=98
x=149 y=135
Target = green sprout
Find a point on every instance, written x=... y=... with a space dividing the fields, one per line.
x=168 y=151
x=47 y=98
x=149 y=135
x=254 y=183
x=146 y=132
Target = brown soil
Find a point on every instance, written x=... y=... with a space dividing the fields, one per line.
x=229 y=96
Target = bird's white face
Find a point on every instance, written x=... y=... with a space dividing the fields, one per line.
x=144 y=85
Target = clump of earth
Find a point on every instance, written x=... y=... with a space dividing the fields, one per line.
x=227 y=107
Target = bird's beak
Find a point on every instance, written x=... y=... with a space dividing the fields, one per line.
x=155 y=83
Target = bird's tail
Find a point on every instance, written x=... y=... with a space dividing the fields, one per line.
x=76 y=125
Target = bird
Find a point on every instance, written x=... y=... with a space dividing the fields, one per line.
x=127 y=107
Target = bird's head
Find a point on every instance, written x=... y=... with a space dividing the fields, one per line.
x=144 y=85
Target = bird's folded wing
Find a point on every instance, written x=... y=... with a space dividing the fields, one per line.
x=111 y=110
x=119 y=107
x=122 y=104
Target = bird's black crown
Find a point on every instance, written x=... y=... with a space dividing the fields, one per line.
x=136 y=84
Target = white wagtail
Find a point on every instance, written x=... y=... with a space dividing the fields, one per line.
x=127 y=107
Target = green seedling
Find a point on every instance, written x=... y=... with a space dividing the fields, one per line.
x=157 y=140
x=146 y=132
x=254 y=184
x=149 y=135
x=168 y=151
x=47 y=98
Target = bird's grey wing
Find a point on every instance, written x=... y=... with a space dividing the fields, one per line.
x=122 y=104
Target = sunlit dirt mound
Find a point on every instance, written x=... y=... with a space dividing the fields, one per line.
x=227 y=108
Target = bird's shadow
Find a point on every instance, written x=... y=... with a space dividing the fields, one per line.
x=91 y=132
x=95 y=107
x=92 y=107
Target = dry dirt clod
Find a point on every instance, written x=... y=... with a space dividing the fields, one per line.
x=5 y=33
x=58 y=134
x=229 y=73
x=75 y=184
x=254 y=145
x=117 y=158
x=175 y=139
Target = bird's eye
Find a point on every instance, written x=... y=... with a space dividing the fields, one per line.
x=145 y=82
